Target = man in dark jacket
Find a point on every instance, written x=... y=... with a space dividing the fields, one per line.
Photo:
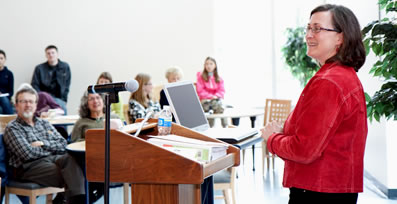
x=53 y=77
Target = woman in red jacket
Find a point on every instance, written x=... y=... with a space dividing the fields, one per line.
x=323 y=139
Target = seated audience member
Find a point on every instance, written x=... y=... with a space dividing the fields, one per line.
x=6 y=86
x=92 y=115
x=53 y=77
x=117 y=108
x=37 y=151
x=173 y=74
x=46 y=102
x=210 y=89
x=140 y=101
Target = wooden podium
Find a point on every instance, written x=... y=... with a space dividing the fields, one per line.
x=156 y=174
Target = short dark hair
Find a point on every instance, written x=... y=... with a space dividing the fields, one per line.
x=352 y=51
x=51 y=47
x=3 y=53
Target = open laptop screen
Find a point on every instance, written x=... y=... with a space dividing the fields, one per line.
x=185 y=105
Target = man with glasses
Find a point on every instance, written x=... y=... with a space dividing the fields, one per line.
x=37 y=152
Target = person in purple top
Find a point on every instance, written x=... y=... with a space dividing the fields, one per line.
x=46 y=102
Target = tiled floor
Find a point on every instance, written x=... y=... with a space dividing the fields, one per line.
x=254 y=187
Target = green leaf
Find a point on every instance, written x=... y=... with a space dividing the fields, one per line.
x=376 y=48
x=382 y=2
x=391 y=7
x=379 y=108
x=366 y=45
x=367 y=97
x=369 y=111
x=376 y=116
x=378 y=72
x=367 y=28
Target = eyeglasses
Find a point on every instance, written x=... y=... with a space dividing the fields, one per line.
x=148 y=84
x=93 y=98
x=26 y=101
x=317 y=29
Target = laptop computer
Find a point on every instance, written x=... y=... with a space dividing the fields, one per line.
x=188 y=112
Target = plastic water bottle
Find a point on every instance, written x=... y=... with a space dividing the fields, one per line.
x=165 y=121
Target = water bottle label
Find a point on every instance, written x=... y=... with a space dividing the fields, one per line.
x=164 y=122
x=161 y=122
x=167 y=123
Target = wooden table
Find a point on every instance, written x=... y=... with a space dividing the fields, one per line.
x=63 y=120
x=76 y=147
x=236 y=113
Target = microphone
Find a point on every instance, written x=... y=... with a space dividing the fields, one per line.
x=130 y=85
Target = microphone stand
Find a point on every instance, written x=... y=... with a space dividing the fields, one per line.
x=109 y=98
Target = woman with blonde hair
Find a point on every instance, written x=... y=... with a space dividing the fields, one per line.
x=173 y=74
x=141 y=101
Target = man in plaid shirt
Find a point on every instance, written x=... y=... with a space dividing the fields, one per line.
x=37 y=151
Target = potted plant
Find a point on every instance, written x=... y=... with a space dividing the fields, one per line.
x=380 y=36
x=301 y=66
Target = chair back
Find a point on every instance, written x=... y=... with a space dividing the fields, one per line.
x=276 y=110
x=156 y=92
x=4 y=120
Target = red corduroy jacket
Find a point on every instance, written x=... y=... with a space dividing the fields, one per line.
x=324 y=137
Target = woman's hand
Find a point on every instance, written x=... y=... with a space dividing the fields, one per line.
x=271 y=128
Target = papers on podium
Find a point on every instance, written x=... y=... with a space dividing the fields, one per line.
x=199 y=150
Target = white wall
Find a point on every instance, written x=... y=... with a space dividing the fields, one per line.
x=123 y=37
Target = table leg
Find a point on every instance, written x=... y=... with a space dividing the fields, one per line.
x=253 y=157
x=253 y=118
x=235 y=121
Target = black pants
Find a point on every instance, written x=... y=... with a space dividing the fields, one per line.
x=54 y=170
x=301 y=196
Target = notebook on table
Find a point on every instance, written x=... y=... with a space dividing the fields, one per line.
x=188 y=112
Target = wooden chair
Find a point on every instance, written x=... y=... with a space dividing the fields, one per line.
x=4 y=120
x=225 y=181
x=156 y=92
x=32 y=190
x=275 y=110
